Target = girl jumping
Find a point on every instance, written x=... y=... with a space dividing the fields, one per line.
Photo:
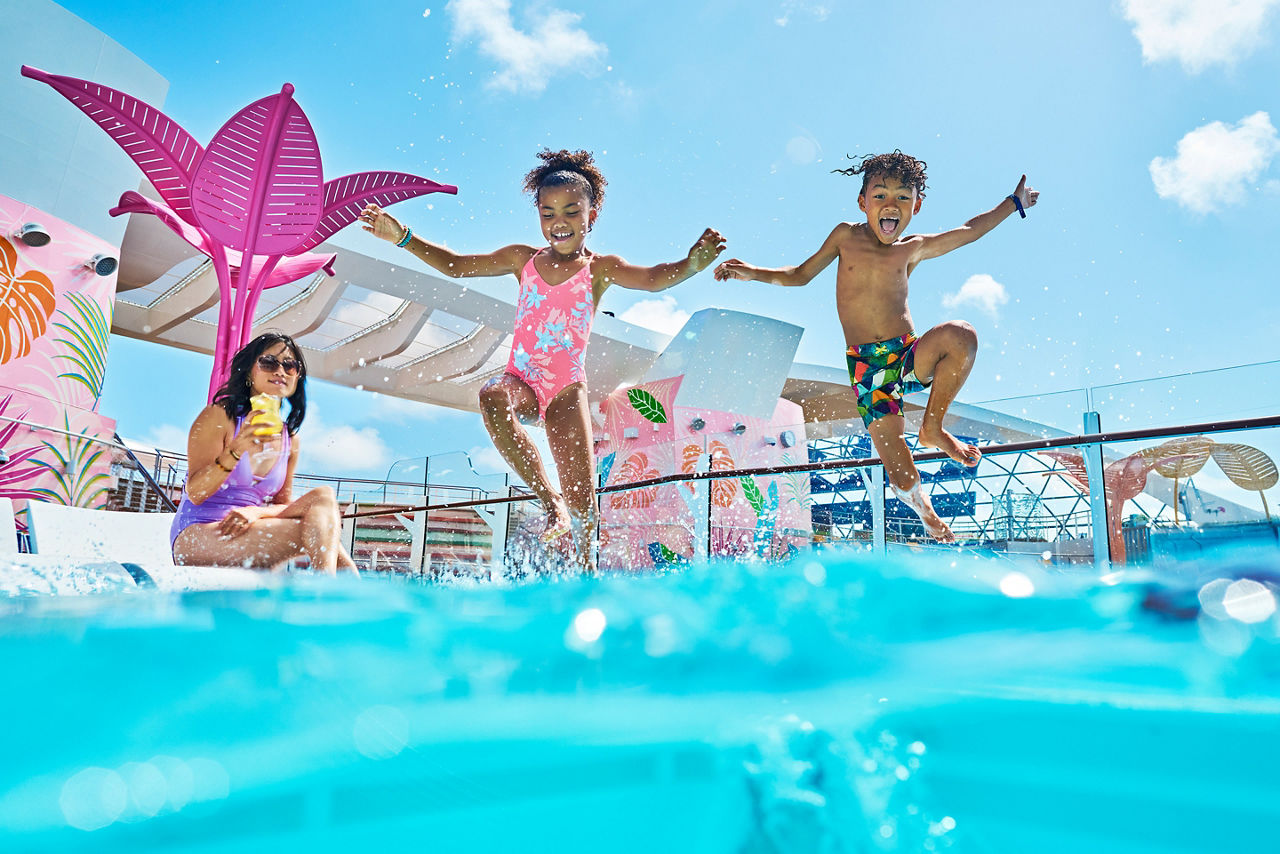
x=560 y=287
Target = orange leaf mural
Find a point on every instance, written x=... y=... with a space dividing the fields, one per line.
x=723 y=492
x=26 y=304
x=635 y=468
x=689 y=464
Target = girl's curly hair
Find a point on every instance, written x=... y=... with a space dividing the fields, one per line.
x=567 y=167
x=904 y=167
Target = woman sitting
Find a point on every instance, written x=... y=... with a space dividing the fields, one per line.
x=237 y=506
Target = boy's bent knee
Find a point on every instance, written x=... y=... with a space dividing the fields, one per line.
x=963 y=333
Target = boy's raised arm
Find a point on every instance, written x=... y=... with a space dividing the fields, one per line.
x=614 y=270
x=933 y=245
x=801 y=274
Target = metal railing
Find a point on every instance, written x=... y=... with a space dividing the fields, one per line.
x=1093 y=519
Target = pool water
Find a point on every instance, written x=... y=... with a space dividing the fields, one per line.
x=834 y=703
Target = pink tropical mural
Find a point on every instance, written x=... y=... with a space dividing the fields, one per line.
x=646 y=436
x=55 y=322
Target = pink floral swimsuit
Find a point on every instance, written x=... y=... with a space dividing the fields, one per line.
x=553 y=324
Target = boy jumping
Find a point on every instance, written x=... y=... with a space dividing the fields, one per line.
x=886 y=360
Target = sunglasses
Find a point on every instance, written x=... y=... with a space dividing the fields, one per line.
x=269 y=364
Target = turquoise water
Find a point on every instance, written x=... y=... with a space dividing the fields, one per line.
x=830 y=704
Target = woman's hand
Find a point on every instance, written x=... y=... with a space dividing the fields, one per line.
x=246 y=439
x=239 y=520
x=381 y=224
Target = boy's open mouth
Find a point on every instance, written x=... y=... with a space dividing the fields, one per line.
x=888 y=224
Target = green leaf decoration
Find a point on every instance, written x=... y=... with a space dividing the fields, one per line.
x=87 y=340
x=753 y=494
x=647 y=405
x=668 y=555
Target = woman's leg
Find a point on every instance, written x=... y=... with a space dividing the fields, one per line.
x=505 y=402
x=317 y=510
x=569 y=435
x=266 y=544
x=308 y=526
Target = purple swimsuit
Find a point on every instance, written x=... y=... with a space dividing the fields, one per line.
x=240 y=489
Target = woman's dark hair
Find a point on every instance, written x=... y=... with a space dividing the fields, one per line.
x=567 y=167
x=234 y=395
x=904 y=167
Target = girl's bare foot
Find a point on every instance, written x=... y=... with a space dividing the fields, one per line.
x=558 y=521
x=961 y=452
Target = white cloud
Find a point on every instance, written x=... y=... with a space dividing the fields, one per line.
x=793 y=7
x=486 y=460
x=342 y=450
x=1199 y=33
x=163 y=437
x=527 y=60
x=660 y=314
x=400 y=410
x=1216 y=163
x=980 y=290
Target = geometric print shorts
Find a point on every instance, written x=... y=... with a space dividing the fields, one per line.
x=881 y=373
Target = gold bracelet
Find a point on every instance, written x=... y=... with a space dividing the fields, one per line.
x=233 y=454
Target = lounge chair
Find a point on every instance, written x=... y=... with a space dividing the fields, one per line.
x=139 y=542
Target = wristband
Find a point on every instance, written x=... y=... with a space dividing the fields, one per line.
x=218 y=460
x=1017 y=203
x=408 y=235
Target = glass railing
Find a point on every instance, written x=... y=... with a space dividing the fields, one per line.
x=1141 y=473
x=1151 y=479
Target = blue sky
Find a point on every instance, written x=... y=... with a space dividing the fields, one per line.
x=1147 y=125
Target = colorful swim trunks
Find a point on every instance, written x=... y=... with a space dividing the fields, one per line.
x=881 y=373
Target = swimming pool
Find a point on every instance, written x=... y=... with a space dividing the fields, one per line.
x=835 y=703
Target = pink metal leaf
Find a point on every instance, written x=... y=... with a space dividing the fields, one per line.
x=258 y=187
x=292 y=269
x=288 y=270
x=132 y=201
x=345 y=197
x=165 y=152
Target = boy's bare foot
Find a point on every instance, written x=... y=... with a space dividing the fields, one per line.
x=936 y=528
x=961 y=452
x=919 y=502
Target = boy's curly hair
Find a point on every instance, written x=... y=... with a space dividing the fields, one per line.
x=904 y=167
x=567 y=167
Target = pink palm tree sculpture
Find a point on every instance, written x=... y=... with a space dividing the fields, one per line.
x=254 y=201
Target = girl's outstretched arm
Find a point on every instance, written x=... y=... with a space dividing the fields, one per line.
x=612 y=270
x=508 y=259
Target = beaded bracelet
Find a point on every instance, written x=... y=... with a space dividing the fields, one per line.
x=1017 y=203
x=218 y=460
x=408 y=234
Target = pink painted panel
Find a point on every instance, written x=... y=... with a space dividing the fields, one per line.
x=55 y=321
x=647 y=527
